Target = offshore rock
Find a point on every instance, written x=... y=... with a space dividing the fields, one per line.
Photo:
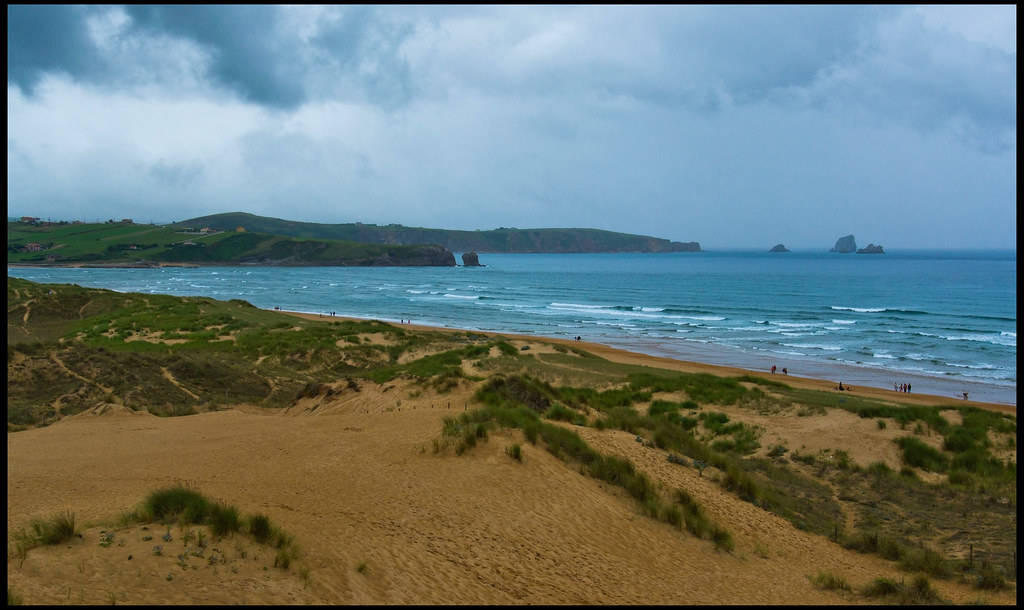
x=871 y=249
x=470 y=259
x=779 y=248
x=845 y=245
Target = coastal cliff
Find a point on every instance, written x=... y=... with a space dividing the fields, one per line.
x=503 y=239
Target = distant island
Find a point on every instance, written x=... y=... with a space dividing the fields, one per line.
x=246 y=239
x=846 y=245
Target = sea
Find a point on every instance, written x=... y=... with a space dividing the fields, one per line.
x=944 y=322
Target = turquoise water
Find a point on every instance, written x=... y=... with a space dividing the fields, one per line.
x=945 y=322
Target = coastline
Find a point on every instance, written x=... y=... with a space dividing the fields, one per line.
x=624 y=356
x=858 y=368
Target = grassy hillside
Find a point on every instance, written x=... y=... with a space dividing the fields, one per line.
x=72 y=348
x=128 y=243
x=496 y=240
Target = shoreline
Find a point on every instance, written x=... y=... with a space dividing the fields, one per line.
x=626 y=356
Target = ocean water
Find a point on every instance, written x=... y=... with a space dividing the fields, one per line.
x=945 y=322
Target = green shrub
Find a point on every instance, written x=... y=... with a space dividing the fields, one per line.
x=830 y=582
x=177 y=502
x=283 y=559
x=58 y=530
x=927 y=561
x=661 y=407
x=224 y=519
x=920 y=455
x=882 y=587
x=722 y=538
x=260 y=528
x=515 y=452
x=990 y=579
x=559 y=412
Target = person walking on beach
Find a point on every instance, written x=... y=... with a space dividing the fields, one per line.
x=773 y=369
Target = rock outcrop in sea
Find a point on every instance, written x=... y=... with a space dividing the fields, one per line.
x=871 y=249
x=779 y=248
x=845 y=245
x=470 y=259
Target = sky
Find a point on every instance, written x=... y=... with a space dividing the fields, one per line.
x=738 y=127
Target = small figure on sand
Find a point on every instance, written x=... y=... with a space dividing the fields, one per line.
x=840 y=386
x=965 y=395
x=785 y=371
x=773 y=369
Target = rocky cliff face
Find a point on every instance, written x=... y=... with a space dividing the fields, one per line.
x=845 y=245
x=470 y=259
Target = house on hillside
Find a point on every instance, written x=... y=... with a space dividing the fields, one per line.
x=29 y=219
x=127 y=221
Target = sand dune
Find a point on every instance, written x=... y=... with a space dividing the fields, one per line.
x=380 y=518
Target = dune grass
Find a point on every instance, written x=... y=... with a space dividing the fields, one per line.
x=769 y=483
x=58 y=529
x=918 y=592
x=518 y=402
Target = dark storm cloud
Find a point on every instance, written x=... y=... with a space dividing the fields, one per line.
x=254 y=51
x=247 y=53
x=43 y=38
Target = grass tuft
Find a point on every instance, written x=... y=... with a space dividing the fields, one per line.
x=830 y=582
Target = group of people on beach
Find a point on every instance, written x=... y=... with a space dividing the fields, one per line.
x=785 y=371
x=901 y=387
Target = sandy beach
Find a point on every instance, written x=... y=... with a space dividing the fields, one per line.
x=628 y=357
x=380 y=518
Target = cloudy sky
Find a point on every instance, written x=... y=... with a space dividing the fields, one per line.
x=733 y=126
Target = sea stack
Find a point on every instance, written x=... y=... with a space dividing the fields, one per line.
x=845 y=245
x=470 y=259
x=778 y=248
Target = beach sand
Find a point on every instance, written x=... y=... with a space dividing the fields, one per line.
x=380 y=518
